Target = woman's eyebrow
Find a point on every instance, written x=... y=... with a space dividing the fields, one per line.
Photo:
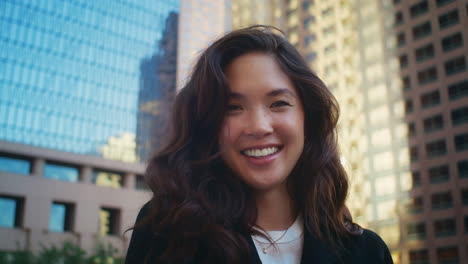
x=276 y=92
x=281 y=91
x=233 y=95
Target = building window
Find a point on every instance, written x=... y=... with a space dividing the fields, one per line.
x=11 y=209
x=414 y=154
x=406 y=82
x=327 y=12
x=15 y=164
x=462 y=168
x=399 y=18
x=309 y=39
x=140 y=183
x=422 y=30
x=466 y=224
x=330 y=48
x=61 y=217
x=427 y=75
x=309 y=20
x=455 y=66
x=401 y=39
x=416 y=178
x=109 y=221
x=107 y=179
x=416 y=231
x=61 y=172
x=436 y=148
x=464 y=196
x=403 y=61
x=433 y=123
x=306 y=4
x=452 y=42
x=329 y=30
x=439 y=174
x=448 y=255
x=419 y=9
x=442 y=200
x=311 y=57
x=411 y=130
x=424 y=53
x=443 y=2
x=415 y=205
x=458 y=90
x=409 y=108
x=419 y=256
x=430 y=99
x=444 y=227
x=461 y=142
x=460 y=116
x=449 y=19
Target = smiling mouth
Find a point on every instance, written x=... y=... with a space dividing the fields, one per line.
x=261 y=152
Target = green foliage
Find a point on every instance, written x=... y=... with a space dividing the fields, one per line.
x=105 y=255
x=68 y=253
x=17 y=257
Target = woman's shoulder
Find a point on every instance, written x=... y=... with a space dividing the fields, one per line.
x=369 y=246
x=141 y=236
x=370 y=237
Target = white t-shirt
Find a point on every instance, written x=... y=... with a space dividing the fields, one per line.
x=287 y=250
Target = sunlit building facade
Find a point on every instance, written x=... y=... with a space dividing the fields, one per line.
x=200 y=23
x=82 y=88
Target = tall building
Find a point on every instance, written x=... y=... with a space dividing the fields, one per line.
x=201 y=22
x=157 y=89
x=82 y=87
x=431 y=45
x=398 y=70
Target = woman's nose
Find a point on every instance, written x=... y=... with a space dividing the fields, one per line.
x=259 y=124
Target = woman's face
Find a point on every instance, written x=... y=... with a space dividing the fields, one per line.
x=262 y=136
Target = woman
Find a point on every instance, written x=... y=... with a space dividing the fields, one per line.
x=251 y=172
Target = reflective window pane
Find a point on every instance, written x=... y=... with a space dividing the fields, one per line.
x=107 y=179
x=15 y=165
x=57 y=217
x=8 y=212
x=61 y=172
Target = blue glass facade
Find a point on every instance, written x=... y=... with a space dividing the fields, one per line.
x=86 y=76
x=61 y=172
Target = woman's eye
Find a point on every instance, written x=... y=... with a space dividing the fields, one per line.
x=280 y=104
x=233 y=108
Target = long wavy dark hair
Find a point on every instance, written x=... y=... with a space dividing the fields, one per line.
x=200 y=209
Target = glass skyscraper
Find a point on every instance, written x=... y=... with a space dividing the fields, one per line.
x=87 y=77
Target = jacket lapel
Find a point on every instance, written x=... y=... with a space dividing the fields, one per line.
x=254 y=257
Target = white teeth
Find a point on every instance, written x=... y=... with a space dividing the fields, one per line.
x=260 y=152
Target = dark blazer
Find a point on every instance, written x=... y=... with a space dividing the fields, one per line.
x=367 y=248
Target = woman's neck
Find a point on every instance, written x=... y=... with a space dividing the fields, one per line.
x=275 y=210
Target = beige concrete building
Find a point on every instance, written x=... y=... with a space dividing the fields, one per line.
x=100 y=203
